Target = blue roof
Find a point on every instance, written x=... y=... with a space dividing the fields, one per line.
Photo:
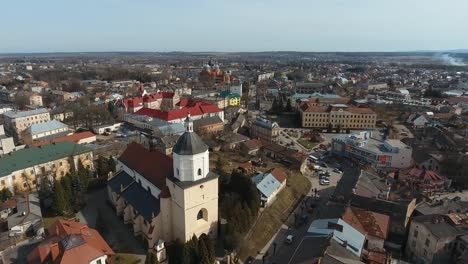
x=265 y=123
x=47 y=126
x=142 y=201
x=122 y=179
x=267 y=184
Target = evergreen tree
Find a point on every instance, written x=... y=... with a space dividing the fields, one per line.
x=5 y=194
x=60 y=204
x=151 y=257
x=209 y=245
x=288 y=105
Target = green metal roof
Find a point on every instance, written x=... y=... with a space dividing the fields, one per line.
x=227 y=93
x=28 y=157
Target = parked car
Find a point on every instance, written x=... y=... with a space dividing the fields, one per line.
x=324 y=182
x=337 y=170
x=289 y=239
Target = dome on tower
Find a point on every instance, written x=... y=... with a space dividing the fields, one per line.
x=189 y=143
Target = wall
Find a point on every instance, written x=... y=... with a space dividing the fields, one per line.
x=186 y=166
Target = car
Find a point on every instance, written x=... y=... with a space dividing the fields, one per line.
x=324 y=182
x=337 y=170
x=289 y=239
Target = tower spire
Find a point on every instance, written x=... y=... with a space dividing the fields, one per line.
x=189 y=123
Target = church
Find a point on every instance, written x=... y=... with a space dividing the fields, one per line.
x=167 y=198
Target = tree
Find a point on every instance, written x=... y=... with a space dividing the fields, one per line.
x=5 y=194
x=288 y=105
x=21 y=100
x=220 y=164
x=151 y=257
x=60 y=204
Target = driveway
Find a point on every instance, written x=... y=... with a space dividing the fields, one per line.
x=99 y=213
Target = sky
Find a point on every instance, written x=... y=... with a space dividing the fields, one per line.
x=232 y=25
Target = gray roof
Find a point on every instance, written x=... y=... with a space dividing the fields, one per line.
x=15 y=114
x=189 y=144
x=142 y=201
x=438 y=225
x=30 y=206
x=121 y=180
x=266 y=183
x=47 y=126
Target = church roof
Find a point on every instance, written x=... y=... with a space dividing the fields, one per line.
x=153 y=165
x=142 y=201
x=189 y=144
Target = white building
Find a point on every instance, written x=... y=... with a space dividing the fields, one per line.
x=361 y=147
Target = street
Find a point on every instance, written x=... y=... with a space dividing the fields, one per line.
x=277 y=251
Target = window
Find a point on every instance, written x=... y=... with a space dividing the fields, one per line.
x=99 y=261
x=178 y=172
x=199 y=172
x=202 y=214
x=427 y=242
x=3 y=182
x=415 y=233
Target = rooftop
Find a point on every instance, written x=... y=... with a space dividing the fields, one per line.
x=28 y=157
x=46 y=127
x=16 y=114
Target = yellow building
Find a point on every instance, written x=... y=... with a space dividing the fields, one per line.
x=21 y=170
x=232 y=99
x=337 y=116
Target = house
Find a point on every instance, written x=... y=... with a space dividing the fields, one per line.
x=269 y=184
x=290 y=157
x=251 y=147
x=18 y=121
x=208 y=125
x=432 y=238
x=71 y=242
x=417 y=120
x=372 y=225
x=99 y=130
x=166 y=198
x=340 y=231
x=264 y=129
x=426 y=181
x=25 y=217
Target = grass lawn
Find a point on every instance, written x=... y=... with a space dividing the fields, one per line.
x=123 y=258
x=273 y=217
x=306 y=143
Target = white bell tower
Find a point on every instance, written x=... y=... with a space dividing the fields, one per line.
x=190 y=155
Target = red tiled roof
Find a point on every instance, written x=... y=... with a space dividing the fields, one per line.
x=253 y=143
x=279 y=174
x=72 y=138
x=153 y=165
x=195 y=108
x=93 y=247
x=246 y=165
x=367 y=222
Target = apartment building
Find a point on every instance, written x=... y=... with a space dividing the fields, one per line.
x=18 y=121
x=264 y=129
x=45 y=131
x=361 y=147
x=35 y=100
x=20 y=170
x=337 y=116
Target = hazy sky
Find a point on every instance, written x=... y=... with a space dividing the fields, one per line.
x=232 y=25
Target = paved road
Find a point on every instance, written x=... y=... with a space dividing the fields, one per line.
x=284 y=252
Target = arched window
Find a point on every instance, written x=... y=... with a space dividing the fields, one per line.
x=199 y=172
x=202 y=214
x=178 y=172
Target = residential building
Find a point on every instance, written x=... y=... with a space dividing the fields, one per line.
x=427 y=182
x=7 y=96
x=269 y=184
x=99 y=130
x=78 y=138
x=418 y=120
x=251 y=147
x=7 y=144
x=298 y=98
x=432 y=239
x=20 y=170
x=230 y=98
x=25 y=216
x=340 y=231
x=338 y=116
x=208 y=125
x=167 y=198
x=44 y=131
x=264 y=129
x=60 y=114
x=310 y=87
x=287 y=156
x=390 y=153
x=326 y=101
x=163 y=101
x=18 y=121
x=61 y=96
x=372 y=225
x=71 y=242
